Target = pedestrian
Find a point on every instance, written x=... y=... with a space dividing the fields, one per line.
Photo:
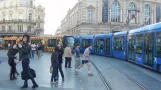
x=24 y=50
x=77 y=57
x=60 y=58
x=33 y=49
x=11 y=61
x=86 y=59
x=54 y=64
x=68 y=56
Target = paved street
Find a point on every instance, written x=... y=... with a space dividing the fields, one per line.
x=117 y=80
x=41 y=65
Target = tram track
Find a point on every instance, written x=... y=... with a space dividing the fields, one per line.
x=130 y=78
x=108 y=87
x=122 y=72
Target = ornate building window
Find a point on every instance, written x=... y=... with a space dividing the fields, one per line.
x=10 y=16
x=146 y=14
x=9 y=28
x=90 y=15
x=20 y=28
x=3 y=28
x=30 y=17
x=132 y=12
x=115 y=11
x=31 y=3
x=29 y=28
x=4 y=5
x=11 y=4
x=21 y=2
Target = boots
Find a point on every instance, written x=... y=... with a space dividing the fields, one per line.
x=25 y=85
x=34 y=83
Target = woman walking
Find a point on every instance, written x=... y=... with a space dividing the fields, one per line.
x=24 y=50
x=11 y=57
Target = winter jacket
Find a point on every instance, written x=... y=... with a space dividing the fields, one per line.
x=54 y=58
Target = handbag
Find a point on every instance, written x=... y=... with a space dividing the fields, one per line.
x=51 y=69
x=31 y=74
x=16 y=61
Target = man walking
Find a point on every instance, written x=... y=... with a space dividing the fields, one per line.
x=68 y=56
x=77 y=57
x=86 y=60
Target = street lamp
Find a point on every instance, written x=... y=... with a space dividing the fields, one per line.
x=131 y=16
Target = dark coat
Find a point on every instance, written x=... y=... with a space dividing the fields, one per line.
x=54 y=58
x=11 y=56
x=60 y=53
x=24 y=51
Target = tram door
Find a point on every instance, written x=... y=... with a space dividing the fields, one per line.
x=107 y=46
x=96 y=46
x=148 y=49
x=131 y=48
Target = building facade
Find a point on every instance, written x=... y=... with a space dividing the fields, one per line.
x=21 y=16
x=58 y=31
x=105 y=16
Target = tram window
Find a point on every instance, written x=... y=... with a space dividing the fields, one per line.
x=131 y=42
x=85 y=42
x=76 y=42
x=139 y=44
x=119 y=43
x=149 y=41
x=158 y=45
x=96 y=43
x=101 y=42
x=51 y=43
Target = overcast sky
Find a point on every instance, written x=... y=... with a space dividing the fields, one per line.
x=56 y=10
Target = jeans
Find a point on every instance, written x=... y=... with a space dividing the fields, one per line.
x=68 y=61
x=54 y=73
x=60 y=70
x=77 y=62
x=33 y=53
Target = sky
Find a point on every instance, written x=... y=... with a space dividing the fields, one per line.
x=55 y=12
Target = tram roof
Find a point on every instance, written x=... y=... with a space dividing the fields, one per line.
x=155 y=26
x=120 y=33
x=87 y=36
x=103 y=35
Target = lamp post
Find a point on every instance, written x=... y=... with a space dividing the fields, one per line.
x=131 y=16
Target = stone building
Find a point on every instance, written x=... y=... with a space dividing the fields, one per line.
x=105 y=16
x=21 y=16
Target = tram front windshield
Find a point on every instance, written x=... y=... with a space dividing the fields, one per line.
x=70 y=40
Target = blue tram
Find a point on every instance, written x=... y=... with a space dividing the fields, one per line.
x=141 y=46
x=76 y=40
x=120 y=45
x=103 y=44
x=145 y=46
x=85 y=40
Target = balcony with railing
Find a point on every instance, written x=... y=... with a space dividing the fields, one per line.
x=18 y=21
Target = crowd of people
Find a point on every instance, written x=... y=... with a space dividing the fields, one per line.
x=57 y=57
x=25 y=49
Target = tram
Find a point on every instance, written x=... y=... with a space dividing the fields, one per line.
x=49 y=43
x=85 y=40
x=103 y=44
x=141 y=46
